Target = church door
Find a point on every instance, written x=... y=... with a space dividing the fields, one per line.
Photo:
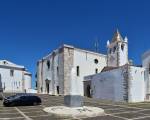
x=88 y=91
x=58 y=90
x=47 y=86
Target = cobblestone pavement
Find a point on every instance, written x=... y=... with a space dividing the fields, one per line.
x=114 y=111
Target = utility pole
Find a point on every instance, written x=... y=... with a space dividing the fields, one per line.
x=96 y=45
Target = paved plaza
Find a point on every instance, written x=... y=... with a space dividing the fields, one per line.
x=114 y=111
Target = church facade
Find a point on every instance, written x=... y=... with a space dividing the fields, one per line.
x=57 y=69
x=120 y=80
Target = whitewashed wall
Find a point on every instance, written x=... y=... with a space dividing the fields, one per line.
x=136 y=84
x=27 y=82
x=146 y=65
x=121 y=84
x=87 y=66
x=39 y=76
x=12 y=83
x=54 y=77
x=108 y=85
x=82 y=58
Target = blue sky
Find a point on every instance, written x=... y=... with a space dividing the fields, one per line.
x=30 y=29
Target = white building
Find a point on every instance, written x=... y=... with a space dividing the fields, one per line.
x=146 y=65
x=119 y=80
x=111 y=77
x=14 y=78
x=55 y=70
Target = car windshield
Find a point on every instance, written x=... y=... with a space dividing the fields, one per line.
x=13 y=97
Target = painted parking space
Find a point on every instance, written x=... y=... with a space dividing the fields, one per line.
x=113 y=111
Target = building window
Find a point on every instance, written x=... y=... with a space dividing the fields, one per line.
x=4 y=86
x=36 y=75
x=48 y=64
x=114 y=50
x=149 y=68
x=122 y=47
x=78 y=71
x=96 y=61
x=11 y=73
x=57 y=70
x=96 y=70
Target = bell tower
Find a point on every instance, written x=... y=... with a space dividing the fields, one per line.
x=117 y=51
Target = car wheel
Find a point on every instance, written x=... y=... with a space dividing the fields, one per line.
x=35 y=103
x=12 y=104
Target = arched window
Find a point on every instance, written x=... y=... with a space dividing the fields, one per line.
x=96 y=61
x=114 y=49
x=48 y=64
x=57 y=70
x=122 y=47
x=78 y=70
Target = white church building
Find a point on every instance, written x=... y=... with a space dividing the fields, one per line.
x=14 y=78
x=54 y=71
x=119 y=80
x=111 y=77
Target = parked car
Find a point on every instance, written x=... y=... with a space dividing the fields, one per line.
x=22 y=100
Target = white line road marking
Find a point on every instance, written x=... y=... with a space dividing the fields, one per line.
x=41 y=116
x=115 y=109
x=8 y=113
x=139 y=118
x=30 y=108
x=14 y=118
x=118 y=117
x=113 y=105
x=7 y=110
x=25 y=116
x=127 y=112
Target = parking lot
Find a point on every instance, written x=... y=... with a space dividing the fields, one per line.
x=114 y=111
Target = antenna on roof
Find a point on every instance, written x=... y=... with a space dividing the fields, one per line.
x=96 y=45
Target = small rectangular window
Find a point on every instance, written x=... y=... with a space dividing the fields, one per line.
x=78 y=71
x=11 y=73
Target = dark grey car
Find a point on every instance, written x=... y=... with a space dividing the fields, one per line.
x=22 y=100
